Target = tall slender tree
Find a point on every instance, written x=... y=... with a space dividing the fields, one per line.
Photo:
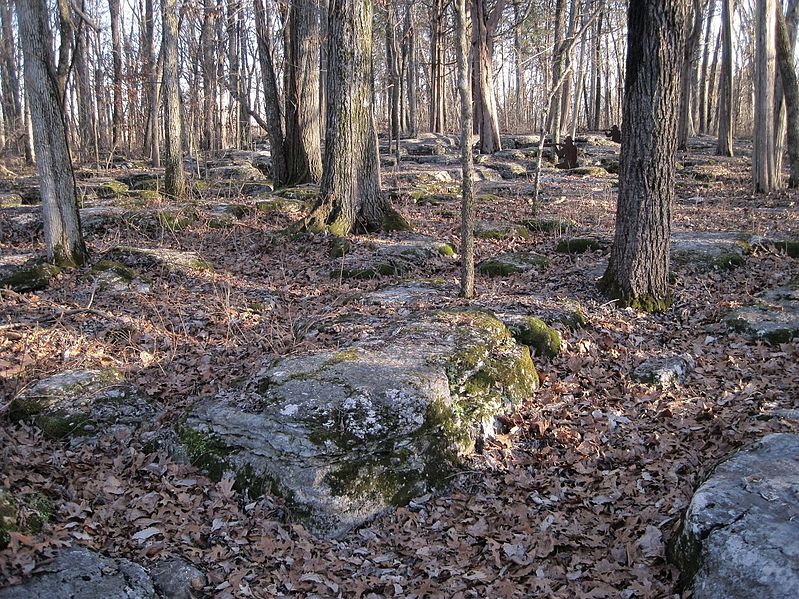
x=791 y=89
x=765 y=177
x=62 y=234
x=638 y=269
x=174 y=176
x=467 y=160
x=486 y=121
x=724 y=146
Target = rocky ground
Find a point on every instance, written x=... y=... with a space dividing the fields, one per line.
x=578 y=491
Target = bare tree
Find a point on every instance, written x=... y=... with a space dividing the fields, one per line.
x=765 y=177
x=484 y=24
x=174 y=177
x=62 y=232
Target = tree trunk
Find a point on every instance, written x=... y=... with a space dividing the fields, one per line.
x=174 y=177
x=638 y=269
x=274 y=122
x=704 y=112
x=725 y=121
x=393 y=72
x=467 y=160
x=87 y=125
x=62 y=232
x=765 y=177
x=686 y=77
x=791 y=89
x=437 y=81
x=12 y=98
x=484 y=24
x=303 y=131
x=207 y=39
x=554 y=115
x=410 y=84
x=598 y=74
x=350 y=191
x=116 y=52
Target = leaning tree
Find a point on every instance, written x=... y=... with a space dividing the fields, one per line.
x=350 y=196
x=638 y=270
x=62 y=234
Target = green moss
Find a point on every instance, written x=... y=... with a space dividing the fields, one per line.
x=31 y=278
x=489 y=198
x=127 y=274
x=574 y=319
x=446 y=250
x=177 y=220
x=394 y=221
x=504 y=265
x=728 y=261
x=578 y=245
x=536 y=334
x=200 y=264
x=147 y=196
x=11 y=200
x=8 y=517
x=57 y=424
x=201 y=185
x=350 y=354
x=643 y=303
x=382 y=269
x=339 y=227
x=111 y=189
x=206 y=451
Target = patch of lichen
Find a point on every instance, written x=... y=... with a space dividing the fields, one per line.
x=111 y=189
x=206 y=451
x=591 y=171
x=522 y=261
x=536 y=334
x=578 y=245
x=31 y=278
x=446 y=250
x=351 y=354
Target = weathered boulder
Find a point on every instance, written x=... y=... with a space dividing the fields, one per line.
x=79 y=572
x=581 y=245
x=396 y=257
x=664 y=372
x=79 y=403
x=111 y=189
x=134 y=257
x=344 y=435
x=115 y=276
x=775 y=318
x=709 y=248
x=408 y=293
x=740 y=535
x=176 y=578
x=235 y=172
x=508 y=263
x=499 y=230
x=141 y=181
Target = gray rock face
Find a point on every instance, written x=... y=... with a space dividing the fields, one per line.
x=154 y=257
x=508 y=263
x=235 y=172
x=25 y=271
x=393 y=258
x=706 y=246
x=175 y=578
x=775 y=318
x=408 y=293
x=740 y=535
x=82 y=574
x=664 y=372
x=78 y=403
x=344 y=435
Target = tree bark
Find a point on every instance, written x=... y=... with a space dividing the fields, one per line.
x=116 y=53
x=686 y=77
x=765 y=177
x=174 y=177
x=207 y=39
x=467 y=160
x=437 y=81
x=486 y=121
x=274 y=122
x=638 y=269
x=303 y=131
x=725 y=120
x=350 y=191
x=62 y=232
x=790 y=86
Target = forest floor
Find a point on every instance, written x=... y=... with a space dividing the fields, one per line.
x=578 y=500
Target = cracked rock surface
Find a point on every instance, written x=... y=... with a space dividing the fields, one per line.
x=740 y=535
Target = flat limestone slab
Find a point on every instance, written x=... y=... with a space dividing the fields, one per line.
x=344 y=435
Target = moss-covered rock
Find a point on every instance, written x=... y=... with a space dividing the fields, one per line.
x=774 y=318
x=111 y=190
x=343 y=435
x=177 y=220
x=146 y=196
x=580 y=245
x=709 y=250
x=135 y=257
x=508 y=263
x=31 y=276
x=26 y=514
x=397 y=257
x=500 y=230
x=292 y=207
x=534 y=333
x=78 y=403
x=549 y=225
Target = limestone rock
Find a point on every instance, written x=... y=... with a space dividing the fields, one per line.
x=534 y=333
x=508 y=263
x=235 y=172
x=740 y=535
x=580 y=245
x=78 y=403
x=408 y=293
x=23 y=272
x=111 y=189
x=396 y=257
x=665 y=372
x=176 y=578
x=775 y=318
x=344 y=435
x=709 y=248
x=154 y=257
x=499 y=230
x=78 y=572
